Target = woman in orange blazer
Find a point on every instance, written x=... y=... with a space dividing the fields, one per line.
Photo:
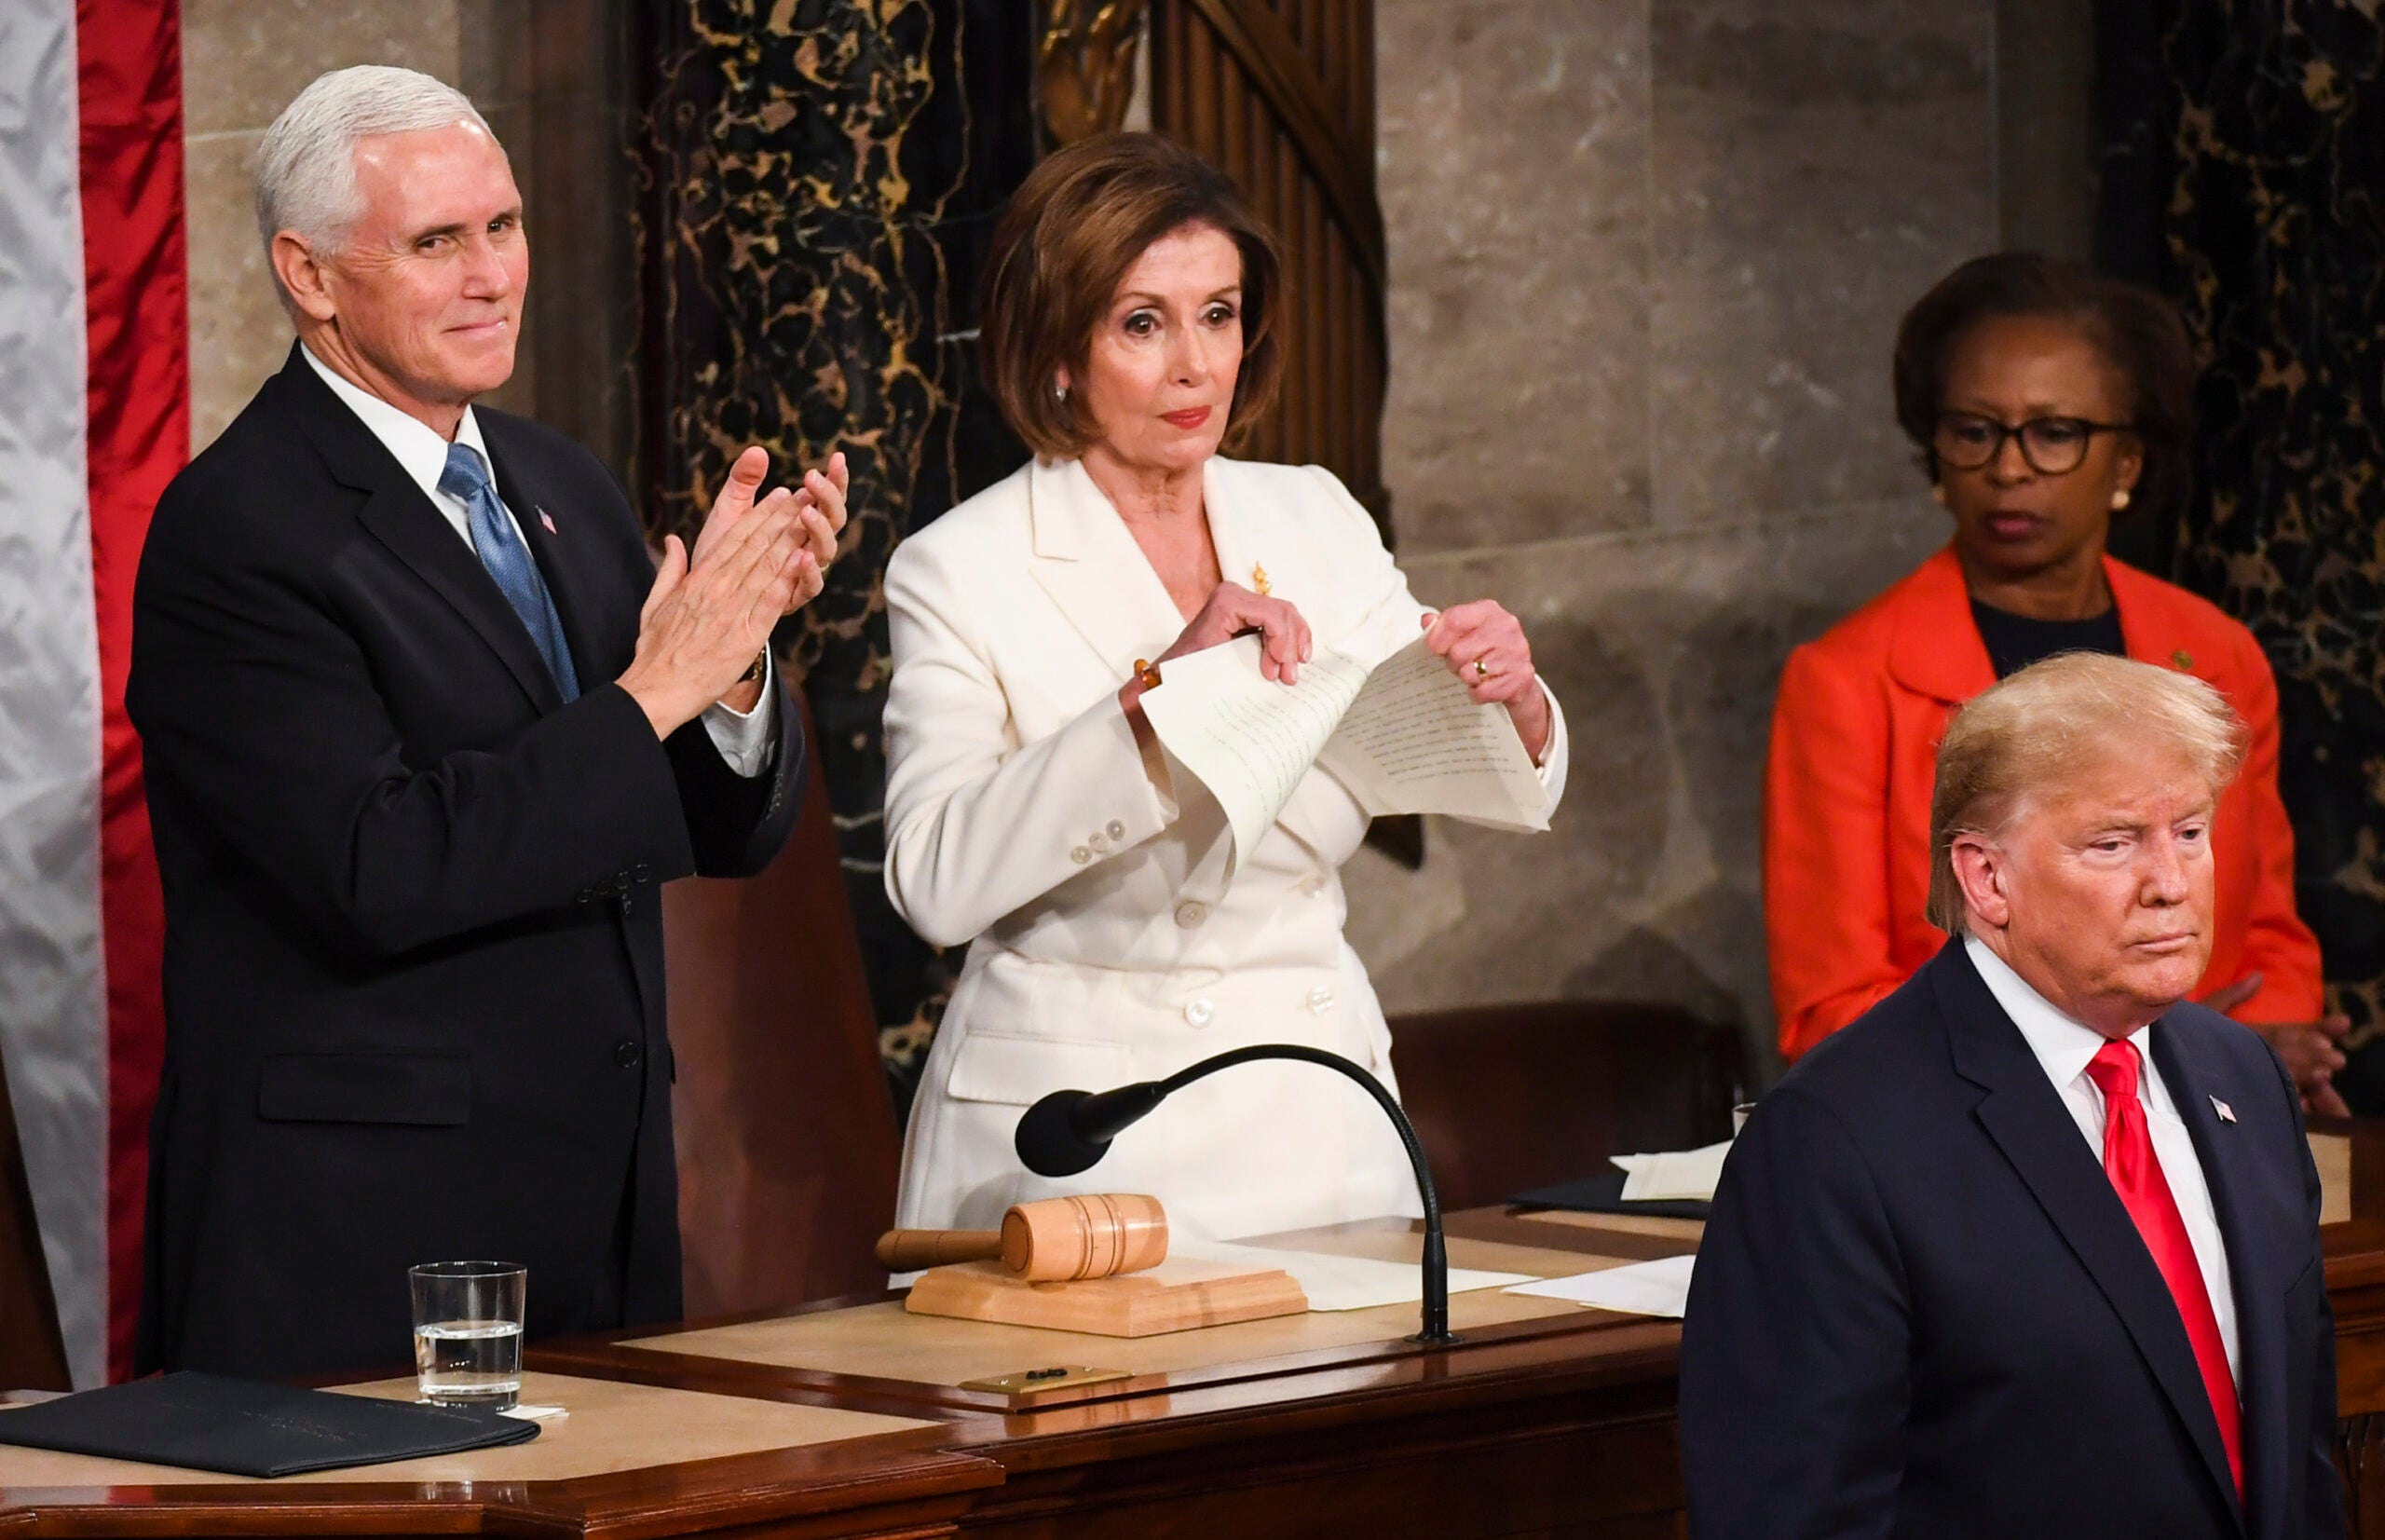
x=2043 y=400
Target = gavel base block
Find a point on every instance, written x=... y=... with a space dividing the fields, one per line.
x=1178 y=1295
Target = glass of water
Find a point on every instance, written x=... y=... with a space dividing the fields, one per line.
x=467 y=1331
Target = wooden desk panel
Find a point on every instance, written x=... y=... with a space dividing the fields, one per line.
x=907 y=1358
x=1554 y=1423
x=885 y=1343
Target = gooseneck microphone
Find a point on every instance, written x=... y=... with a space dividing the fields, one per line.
x=1068 y=1131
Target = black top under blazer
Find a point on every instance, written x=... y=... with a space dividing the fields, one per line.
x=414 y=950
x=1920 y=1309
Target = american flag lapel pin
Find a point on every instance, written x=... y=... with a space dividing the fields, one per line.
x=2227 y=1113
x=548 y=519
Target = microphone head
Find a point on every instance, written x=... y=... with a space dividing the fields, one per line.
x=1048 y=1142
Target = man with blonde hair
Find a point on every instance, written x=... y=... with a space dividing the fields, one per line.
x=2031 y=1248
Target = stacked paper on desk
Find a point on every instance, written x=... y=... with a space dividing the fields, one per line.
x=1660 y=1287
x=1348 y=1282
x=1674 y=1175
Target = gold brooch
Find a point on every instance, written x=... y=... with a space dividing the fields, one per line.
x=2183 y=659
x=1258 y=580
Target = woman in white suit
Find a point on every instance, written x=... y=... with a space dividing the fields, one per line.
x=1128 y=327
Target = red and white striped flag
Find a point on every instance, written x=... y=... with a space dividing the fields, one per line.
x=94 y=420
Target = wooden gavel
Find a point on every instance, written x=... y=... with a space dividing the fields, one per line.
x=1051 y=1240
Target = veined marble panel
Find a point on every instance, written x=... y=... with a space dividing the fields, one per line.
x=244 y=59
x=1513 y=167
x=1818 y=165
x=238 y=333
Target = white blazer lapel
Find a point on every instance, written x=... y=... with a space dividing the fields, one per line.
x=1248 y=529
x=1088 y=564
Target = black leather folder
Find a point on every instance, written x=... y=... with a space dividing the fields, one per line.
x=1603 y=1194
x=247 y=1427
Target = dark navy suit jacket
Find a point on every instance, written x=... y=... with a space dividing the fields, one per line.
x=414 y=975
x=1920 y=1309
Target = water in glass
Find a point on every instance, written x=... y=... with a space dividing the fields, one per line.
x=469 y=1363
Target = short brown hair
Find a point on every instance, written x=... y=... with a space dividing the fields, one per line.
x=2139 y=333
x=1077 y=221
x=2026 y=734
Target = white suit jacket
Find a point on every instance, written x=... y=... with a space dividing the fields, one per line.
x=1108 y=945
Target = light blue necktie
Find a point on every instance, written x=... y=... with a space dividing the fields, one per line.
x=466 y=479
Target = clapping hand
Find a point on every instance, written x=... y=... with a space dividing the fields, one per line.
x=706 y=622
x=817 y=507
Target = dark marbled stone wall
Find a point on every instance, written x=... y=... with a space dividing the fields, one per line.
x=820 y=178
x=2249 y=179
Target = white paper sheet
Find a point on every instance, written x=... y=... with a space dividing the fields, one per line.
x=1246 y=738
x=1415 y=742
x=1348 y=1282
x=1404 y=736
x=1659 y=1287
x=1673 y=1175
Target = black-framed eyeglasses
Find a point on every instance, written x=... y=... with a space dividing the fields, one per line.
x=2053 y=446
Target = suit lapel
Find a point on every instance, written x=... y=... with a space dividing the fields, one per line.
x=2193 y=1077
x=2025 y=1116
x=1088 y=563
x=564 y=559
x=1937 y=650
x=397 y=514
x=1247 y=528
x=2153 y=626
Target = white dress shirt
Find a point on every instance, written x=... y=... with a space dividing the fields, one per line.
x=2064 y=1048
x=746 y=740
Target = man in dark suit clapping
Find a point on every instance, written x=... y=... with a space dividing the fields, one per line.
x=423 y=730
x=2032 y=1247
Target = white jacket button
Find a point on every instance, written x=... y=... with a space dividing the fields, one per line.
x=1197 y=1013
x=1117 y=830
x=1311 y=885
x=1080 y=855
x=1320 y=1000
x=1100 y=842
x=1191 y=913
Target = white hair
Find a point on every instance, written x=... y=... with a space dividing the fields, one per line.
x=306 y=175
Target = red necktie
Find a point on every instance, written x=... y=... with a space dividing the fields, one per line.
x=2137 y=1175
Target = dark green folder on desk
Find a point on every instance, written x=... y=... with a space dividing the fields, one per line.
x=250 y=1427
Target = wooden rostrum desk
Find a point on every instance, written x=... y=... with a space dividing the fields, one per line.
x=849 y=1420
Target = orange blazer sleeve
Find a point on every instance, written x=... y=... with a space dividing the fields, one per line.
x=2277 y=943
x=1825 y=848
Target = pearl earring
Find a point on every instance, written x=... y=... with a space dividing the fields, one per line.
x=1060 y=392
x=2119 y=500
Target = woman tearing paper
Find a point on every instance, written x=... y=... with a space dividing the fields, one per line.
x=1119 y=932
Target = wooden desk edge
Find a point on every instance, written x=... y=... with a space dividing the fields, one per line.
x=906 y=1467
